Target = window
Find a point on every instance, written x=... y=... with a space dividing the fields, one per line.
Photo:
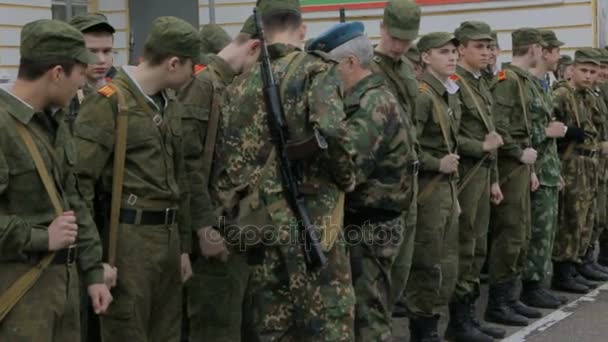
x=67 y=9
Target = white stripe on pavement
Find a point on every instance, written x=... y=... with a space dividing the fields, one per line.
x=553 y=318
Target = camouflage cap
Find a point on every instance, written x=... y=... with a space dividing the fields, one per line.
x=272 y=7
x=473 y=30
x=402 y=19
x=213 y=38
x=527 y=36
x=88 y=21
x=435 y=40
x=47 y=40
x=603 y=55
x=174 y=36
x=565 y=60
x=413 y=54
x=249 y=27
x=587 y=55
x=550 y=39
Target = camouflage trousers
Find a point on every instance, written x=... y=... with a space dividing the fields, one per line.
x=472 y=233
x=49 y=312
x=510 y=225
x=216 y=294
x=286 y=302
x=435 y=262
x=576 y=209
x=601 y=213
x=147 y=303
x=544 y=227
x=373 y=249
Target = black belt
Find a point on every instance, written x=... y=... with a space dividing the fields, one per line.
x=585 y=152
x=361 y=216
x=66 y=256
x=148 y=217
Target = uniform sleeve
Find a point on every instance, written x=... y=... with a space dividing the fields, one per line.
x=185 y=209
x=502 y=111
x=424 y=113
x=326 y=111
x=470 y=147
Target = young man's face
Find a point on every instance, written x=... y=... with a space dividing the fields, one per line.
x=100 y=44
x=494 y=52
x=475 y=53
x=442 y=61
x=393 y=47
x=568 y=70
x=551 y=58
x=584 y=74
x=63 y=87
x=603 y=72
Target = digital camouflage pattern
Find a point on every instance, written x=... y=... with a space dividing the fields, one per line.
x=382 y=147
x=600 y=119
x=544 y=200
x=23 y=228
x=576 y=212
x=435 y=261
x=474 y=198
x=287 y=298
x=511 y=219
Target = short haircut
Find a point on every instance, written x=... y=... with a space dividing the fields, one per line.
x=360 y=47
x=282 y=22
x=155 y=57
x=32 y=70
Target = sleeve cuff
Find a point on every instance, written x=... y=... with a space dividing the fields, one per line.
x=39 y=239
x=431 y=164
x=93 y=276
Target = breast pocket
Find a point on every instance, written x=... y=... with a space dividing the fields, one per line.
x=24 y=184
x=142 y=130
x=193 y=131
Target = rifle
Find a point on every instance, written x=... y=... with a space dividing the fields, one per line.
x=342 y=15
x=279 y=133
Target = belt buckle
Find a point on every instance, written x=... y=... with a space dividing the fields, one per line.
x=169 y=217
x=415 y=167
x=71 y=255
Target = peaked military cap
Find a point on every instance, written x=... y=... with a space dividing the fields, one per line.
x=88 y=21
x=435 y=40
x=402 y=19
x=174 y=36
x=473 y=30
x=550 y=39
x=587 y=55
x=213 y=38
x=526 y=36
x=272 y=7
x=336 y=36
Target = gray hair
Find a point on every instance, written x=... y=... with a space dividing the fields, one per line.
x=360 y=47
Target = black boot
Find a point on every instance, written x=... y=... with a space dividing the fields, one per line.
x=524 y=310
x=498 y=309
x=587 y=270
x=590 y=258
x=424 y=329
x=579 y=278
x=495 y=332
x=564 y=278
x=533 y=294
x=460 y=327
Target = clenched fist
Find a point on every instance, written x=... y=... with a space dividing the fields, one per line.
x=63 y=231
x=449 y=163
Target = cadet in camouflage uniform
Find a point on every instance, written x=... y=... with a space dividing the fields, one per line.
x=217 y=289
x=399 y=28
x=213 y=39
x=289 y=301
x=154 y=226
x=579 y=169
x=490 y=72
x=434 y=264
x=478 y=142
x=373 y=213
x=516 y=97
x=548 y=168
x=29 y=225
x=566 y=64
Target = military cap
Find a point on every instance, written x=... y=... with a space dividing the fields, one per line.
x=88 y=21
x=213 y=38
x=47 y=40
x=526 y=36
x=550 y=39
x=435 y=40
x=249 y=27
x=473 y=30
x=413 y=54
x=272 y=7
x=587 y=55
x=565 y=60
x=603 y=55
x=402 y=19
x=337 y=35
x=174 y=36
x=495 y=38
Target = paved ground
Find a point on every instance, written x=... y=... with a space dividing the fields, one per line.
x=583 y=319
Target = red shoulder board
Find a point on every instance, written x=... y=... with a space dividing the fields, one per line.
x=454 y=77
x=502 y=75
x=199 y=68
x=107 y=90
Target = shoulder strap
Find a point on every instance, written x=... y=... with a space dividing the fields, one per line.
x=120 y=151
x=482 y=113
x=522 y=100
x=437 y=105
x=24 y=283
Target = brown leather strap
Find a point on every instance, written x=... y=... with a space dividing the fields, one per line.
x=440 y=117
x=483 y=114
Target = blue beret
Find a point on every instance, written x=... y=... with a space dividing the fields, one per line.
x=336 y=36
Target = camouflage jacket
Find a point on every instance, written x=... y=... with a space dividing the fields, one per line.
x=433 y=106
x=475 y=125
x=154 y=165
x=200 y=98
x=379 y=135
x=25 y=208
x=548 y=165
x=313 y=99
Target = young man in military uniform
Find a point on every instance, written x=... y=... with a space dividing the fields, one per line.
x=544 y=202
x=413 y=55
x=217 y=289
x=52 y=67
x=153 y=237
x=490 y=72
x=478 y=142
x=515 y=94
x=399 y=28
x=213 y=39
x=373 y=212
x=289 y=299
x=434 y=264
x=579 y=154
